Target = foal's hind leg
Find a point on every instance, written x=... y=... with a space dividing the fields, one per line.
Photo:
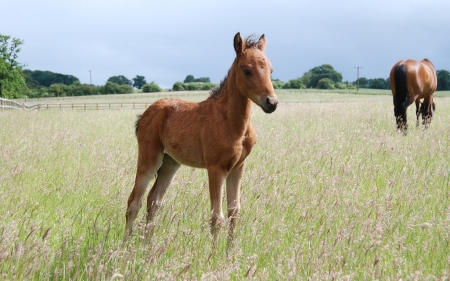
x=165 y=177
x=149 y=161
x=233 y=200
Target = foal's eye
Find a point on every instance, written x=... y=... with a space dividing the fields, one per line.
x=247 y=72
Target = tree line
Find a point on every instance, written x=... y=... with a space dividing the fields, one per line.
x=49 y=84
x=17 y=82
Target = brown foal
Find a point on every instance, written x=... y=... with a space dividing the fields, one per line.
x=215 y=134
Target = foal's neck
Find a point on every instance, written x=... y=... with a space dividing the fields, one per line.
x=238 y=108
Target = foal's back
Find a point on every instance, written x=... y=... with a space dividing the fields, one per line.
x=191 y=133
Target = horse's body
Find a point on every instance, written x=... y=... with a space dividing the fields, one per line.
x=410 y=82
x=215 y=134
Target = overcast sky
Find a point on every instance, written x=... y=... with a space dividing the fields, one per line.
x=166 y=40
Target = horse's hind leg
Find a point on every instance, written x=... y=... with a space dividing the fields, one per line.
x=400 y=113
x=233 y=201
x=427 y=111
x=149 y=161
x=418 y=110
x=165 y=177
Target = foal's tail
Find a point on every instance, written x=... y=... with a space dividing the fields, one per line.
x=136 y=124
x=401 y=90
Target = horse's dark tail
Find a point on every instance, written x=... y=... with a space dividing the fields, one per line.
x=401 y=90
x=136 y=124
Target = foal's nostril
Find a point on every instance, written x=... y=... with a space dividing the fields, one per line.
x=271 y=103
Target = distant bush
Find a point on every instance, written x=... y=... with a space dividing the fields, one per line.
x=350 y=85
x=199 y=86
x=277 y=84
x=325 y=83
x=294 y=84
x=151 y=87
x=340 y=85
x=114 y=88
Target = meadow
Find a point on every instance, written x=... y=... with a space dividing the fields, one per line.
x=331 y=191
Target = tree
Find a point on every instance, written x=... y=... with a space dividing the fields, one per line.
x=37 y=78
x=379 y=83
x=139 y=82
x=363 y=82
x=319 y=72
x=189 y=79
x=443 y=77
x=11 y=78
x=202 y=79
x=178 y=86
x=120 y=80
x=56 y=90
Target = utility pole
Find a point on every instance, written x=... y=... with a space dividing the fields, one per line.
x=90 y=77
x=357 y=78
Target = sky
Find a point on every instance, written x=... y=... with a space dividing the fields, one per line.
x=166 y=40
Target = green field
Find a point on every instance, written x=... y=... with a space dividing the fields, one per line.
x=331 y=191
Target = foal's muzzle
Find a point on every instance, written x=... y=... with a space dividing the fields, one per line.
x=270 y=104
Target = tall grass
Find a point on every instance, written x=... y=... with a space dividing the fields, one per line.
x=331 y=191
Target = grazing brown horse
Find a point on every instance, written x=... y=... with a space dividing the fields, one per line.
x=411 y=81
x=215 y=134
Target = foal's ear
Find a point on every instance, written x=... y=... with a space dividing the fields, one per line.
x=238 y=44
x=262 y=43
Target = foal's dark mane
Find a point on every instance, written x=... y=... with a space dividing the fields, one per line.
x=428 y=61
x=251 y=41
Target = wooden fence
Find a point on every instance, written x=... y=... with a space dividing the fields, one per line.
x=95 y=106
x=10 y=104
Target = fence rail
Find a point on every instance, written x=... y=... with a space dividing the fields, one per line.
x=10 y=104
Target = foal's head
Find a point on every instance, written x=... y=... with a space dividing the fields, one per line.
x=253 y=72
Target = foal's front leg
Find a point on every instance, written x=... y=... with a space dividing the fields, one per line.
x=233 y=200
x=216 y=176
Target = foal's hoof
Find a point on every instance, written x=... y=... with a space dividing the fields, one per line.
x=149 y=230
